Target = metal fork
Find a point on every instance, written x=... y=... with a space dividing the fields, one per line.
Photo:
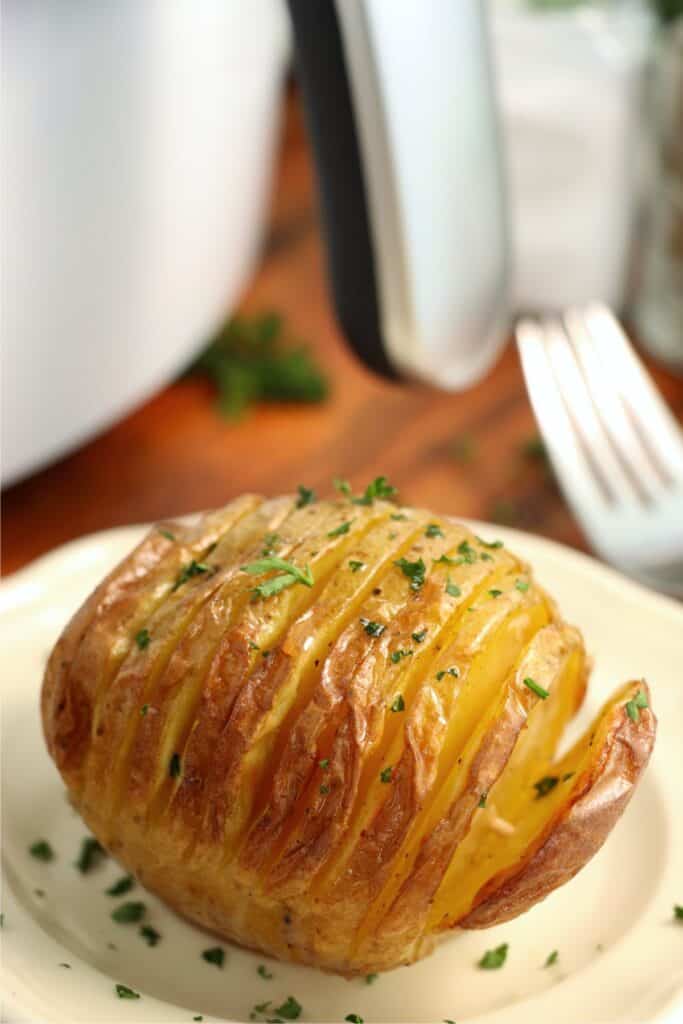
x=615 y=448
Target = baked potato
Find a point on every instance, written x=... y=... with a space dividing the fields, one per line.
x=327 y=730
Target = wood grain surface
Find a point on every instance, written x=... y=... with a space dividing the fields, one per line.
x=461 y=454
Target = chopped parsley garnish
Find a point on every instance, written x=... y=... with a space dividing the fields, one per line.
x=452 y=671
x=123 y=885
x=142 y=639
x=343 y=486
x=452 y=589
x=341 y=529
x=552 y=958
x=129 y=913
x=306 y=496
x=494 y=958
x=385 y=774
x=433 y=530
x=123 y=992
x=398 y=516
x=379 y=488
x=522 y=585
x=493 y=544
x=198 y=1017
x=482 y=800
x=174 y=766
x=264 y=973
x=678 y=912
x=260 y=1008
x=445 y=560
x=167 y=534
x=372 y=628
x=65 y=965
x=91 y=853
x=215 y=955
x=290 y=575
x=324 y=763
x=419 y=637
x=193 y=568
x=415 y=571
x=485 y=556
x=568 y=775
x=467 y=553
x=370 y=979
x=399 y=703
x=270 y=542
x=494 y=592
x=324 y=789
x=545 y=785
x=144 y=709
x=354 y=565
x=353 y=1018
x=536 y=688
x=42 y=850
x=633 y=706
x=290 y=1009
x=149 y=934
x=253 y=647
x=397 y=656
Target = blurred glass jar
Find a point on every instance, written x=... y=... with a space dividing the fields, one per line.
x=658 y=309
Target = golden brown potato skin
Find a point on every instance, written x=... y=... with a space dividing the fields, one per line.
x=300 y=771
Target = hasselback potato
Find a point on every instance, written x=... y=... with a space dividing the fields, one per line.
x=327 y=730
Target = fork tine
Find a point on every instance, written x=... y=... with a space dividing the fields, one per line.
x=633 y=381
x=634 y=454
x=579 y=484
x=582 y=413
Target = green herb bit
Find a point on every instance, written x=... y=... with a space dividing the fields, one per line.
x=193 y=568
x=678 y=912
x=534 y=448
x=415 y=571
x=198 y=1017
x=290 y=1009
x=123 y=885
x=482 y=800
x=452 y=671
x=633 y=706
x=494 y=958
x=260 y=1008
x=399 y=704
x=150 y=935
x=446 y=560
x=324 y=789
x=484 y=556
x=385 y=774
x=398 y=516
x=264 y=973
x=215 y=955
x=167 y=534
x=492 y=544
x=324 y=763
x=342 y=486
x=419 y=637
x=568 y=775
x=306 y=496
x=545 y=785
x=447 y=1021
x=467 y=553
x=397 y=656
x=174 y=766
x=91 y=853
x=123 y=992
x=370 y=979
x=65 y=965
x=552 y=958
x=144 y=709
x=270 y=542
x=142 y=639
x=252 y=646
x=495 y=593
x=129 y=913
x=2 y=920
x=379 y=488
x=372 y=628
x=536 y=688
x=42 y=850
x=354 y=1018
x=266 y=564
x=452 y=589
x=433 y=530
x=341 y=529
x=354 y=565
x=522 y=585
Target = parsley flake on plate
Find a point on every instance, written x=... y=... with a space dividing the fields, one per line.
x=91 y=854
x=551 y=959
x=42 y=850
x=123 y=992
x=150 y=935
x=215 y=955
x=263 y=972
x=290 y=1009
x=187 y=572
x=129 y=913
x=494 y=958
x=433 y=530
x=123 y=885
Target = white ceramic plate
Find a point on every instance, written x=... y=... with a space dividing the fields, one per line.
x=620 y=950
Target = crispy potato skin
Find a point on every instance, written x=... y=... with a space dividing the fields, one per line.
x=297 y=772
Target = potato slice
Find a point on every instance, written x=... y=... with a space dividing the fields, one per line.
x=557 y=834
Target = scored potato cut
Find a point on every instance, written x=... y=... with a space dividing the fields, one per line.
x=328 y=730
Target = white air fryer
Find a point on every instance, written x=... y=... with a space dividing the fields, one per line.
x=402 y=119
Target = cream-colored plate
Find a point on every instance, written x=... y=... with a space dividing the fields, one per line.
x=620 y=950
